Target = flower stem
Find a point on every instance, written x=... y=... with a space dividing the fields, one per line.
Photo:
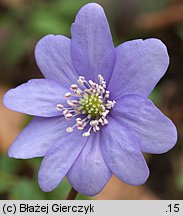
x=72 y=194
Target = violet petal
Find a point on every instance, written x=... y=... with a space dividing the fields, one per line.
x=53 y=57
x=140 y=64
x=89 y=173
x=59 y=160
x=36 y=97
x=122 y=154
x=92 y=47
x=156 y=132
x=38 y=136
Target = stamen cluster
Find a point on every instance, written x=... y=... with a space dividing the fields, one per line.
x=89 y=101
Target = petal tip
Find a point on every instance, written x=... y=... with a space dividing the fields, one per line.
x=158 y=46
x=89 y=9
x=41 y=41
x=88 y=192
x=44 y=41
x=43 y=183
x=138 y=181
x=92 y=5
x=7 y=98
x=12 y=153
x=174 y=136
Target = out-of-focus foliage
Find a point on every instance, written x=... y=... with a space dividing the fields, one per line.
x=148 y=6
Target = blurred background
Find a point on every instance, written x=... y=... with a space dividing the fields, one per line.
x=24 y=22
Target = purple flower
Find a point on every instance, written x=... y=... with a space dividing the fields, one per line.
x=93 y=116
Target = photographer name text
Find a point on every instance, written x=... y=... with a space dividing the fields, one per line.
x=54 y=208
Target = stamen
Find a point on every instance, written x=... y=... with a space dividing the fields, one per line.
x=81 y=80
x=94 y=123
x=65 y=111
x=86 y=134
x=78 y=92
x=90 y=101
x=69 y=130
x=74 y=87
x=68 y=116
x=60 y=107
x=68 y=95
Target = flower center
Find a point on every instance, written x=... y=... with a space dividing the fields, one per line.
x=89 y=104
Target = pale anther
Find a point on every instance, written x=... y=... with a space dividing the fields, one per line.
x=60 y=107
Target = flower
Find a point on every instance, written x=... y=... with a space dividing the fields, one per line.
x=93 y=116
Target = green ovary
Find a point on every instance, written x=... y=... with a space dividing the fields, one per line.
x=91 y=105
